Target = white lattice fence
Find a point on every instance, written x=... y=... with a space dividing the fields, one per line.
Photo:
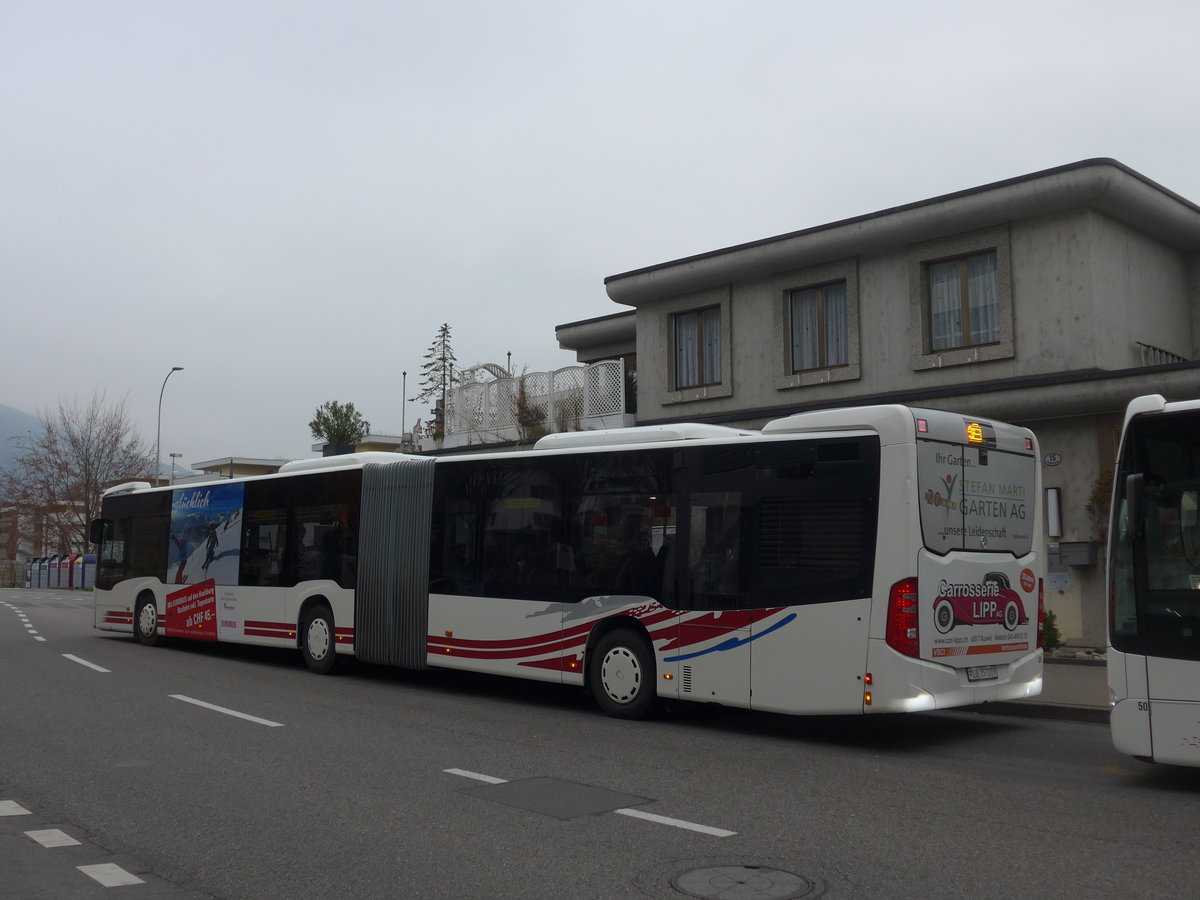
x=507 y=409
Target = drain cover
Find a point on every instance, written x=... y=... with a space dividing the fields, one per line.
x=741 y=883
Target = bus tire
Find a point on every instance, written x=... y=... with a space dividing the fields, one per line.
x=319 y=639
x=621 y=675
x=145 y=621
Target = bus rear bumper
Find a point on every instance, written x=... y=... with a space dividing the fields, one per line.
x=902 y=684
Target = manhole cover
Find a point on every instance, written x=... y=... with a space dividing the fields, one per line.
x=741 y=883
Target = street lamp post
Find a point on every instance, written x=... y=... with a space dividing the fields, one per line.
x=158 y=434
x=174 y=456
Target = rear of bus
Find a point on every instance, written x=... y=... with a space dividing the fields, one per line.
x=967 y=628
x=1154 y=584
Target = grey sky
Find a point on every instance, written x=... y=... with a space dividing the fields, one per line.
x=288 y=198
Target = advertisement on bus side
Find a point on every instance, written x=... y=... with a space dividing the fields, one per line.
x=205 y=542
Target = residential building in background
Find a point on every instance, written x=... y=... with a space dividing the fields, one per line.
x=1048 y=300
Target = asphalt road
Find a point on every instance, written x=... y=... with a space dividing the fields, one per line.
x=389 y=783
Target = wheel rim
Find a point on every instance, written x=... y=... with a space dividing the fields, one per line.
x=621 y=675
x=148 y=619
x=317 y=638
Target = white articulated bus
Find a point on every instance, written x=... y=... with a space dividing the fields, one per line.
x=1154 y=584
x=877 y=559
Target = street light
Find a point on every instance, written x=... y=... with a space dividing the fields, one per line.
x=158 y=434
x=174 y=456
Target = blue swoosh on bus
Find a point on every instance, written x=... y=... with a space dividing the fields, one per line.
x=732 y=643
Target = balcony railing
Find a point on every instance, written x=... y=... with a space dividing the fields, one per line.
x=1157 y=356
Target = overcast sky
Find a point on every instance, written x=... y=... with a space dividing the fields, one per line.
x=288 y=198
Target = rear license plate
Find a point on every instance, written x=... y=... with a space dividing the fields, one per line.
x=981 y=673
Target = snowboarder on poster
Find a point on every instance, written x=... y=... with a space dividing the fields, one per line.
x=212 y=547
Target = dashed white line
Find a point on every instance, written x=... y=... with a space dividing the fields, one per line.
x=84 y=662
x=632 y=813
x=13 y=808
x=465 y=774
x=228 y=712
x=674 y=823
x=52 y=837
x=109 y=875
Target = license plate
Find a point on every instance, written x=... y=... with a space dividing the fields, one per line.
x=980 y=673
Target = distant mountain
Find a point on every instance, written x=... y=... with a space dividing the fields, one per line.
x=14 y=423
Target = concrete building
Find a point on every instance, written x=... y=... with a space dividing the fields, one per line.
x=1047 y=300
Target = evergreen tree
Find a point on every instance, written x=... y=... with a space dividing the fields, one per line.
x=438 y=375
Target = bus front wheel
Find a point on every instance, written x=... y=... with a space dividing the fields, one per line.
x=319 y=638
x=621 y=675
x=145 y=621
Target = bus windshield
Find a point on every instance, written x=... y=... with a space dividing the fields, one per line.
x=1156 y=540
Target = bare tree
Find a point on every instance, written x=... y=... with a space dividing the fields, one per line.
x=56 y=482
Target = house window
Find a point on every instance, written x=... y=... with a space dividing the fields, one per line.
x=963 y=302
x=697 y=348
x=819 y=327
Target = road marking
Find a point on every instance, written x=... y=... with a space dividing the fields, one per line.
x=84 y=662
x=465 y=774
x=109 y=875
x=39 y=638
x=675 y=823
x=632 y=813
x=228 y=712
x=13 y=808
x=53 y=837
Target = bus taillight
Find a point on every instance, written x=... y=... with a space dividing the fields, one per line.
x=902 y=635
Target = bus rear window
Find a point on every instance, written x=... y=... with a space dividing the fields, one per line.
x=975 y=498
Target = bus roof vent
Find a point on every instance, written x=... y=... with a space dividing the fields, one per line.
x=127 y=488
x=344 y=461
x=639 y=434
x=892 y=422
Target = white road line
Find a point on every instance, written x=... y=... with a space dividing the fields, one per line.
x=632 y=813
x=39 y=638
x=52 y=837
x=228 y=712
x=675 y=823
x=465 y=774
x=13 y=808
x=84 y=662
x=109 y=875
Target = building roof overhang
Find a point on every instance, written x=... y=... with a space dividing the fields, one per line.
x=1102 y=184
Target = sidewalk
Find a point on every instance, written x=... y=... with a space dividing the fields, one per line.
x=1075 y=686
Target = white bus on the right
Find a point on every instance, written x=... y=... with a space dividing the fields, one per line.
x=1154 y=584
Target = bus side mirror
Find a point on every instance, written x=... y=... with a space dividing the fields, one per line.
x=100 y=530
x=1135 y=503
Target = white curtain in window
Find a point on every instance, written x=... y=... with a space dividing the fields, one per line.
x=836 y=328
x=805 y=316
x=981 y=289
x=945 y=305
x=687 y=351
x=712 y=345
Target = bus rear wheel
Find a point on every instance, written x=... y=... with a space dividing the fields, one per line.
x=145 y=621
x=318 y=640
x=621 y=675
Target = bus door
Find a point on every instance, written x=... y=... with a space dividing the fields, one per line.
x=712 y=650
